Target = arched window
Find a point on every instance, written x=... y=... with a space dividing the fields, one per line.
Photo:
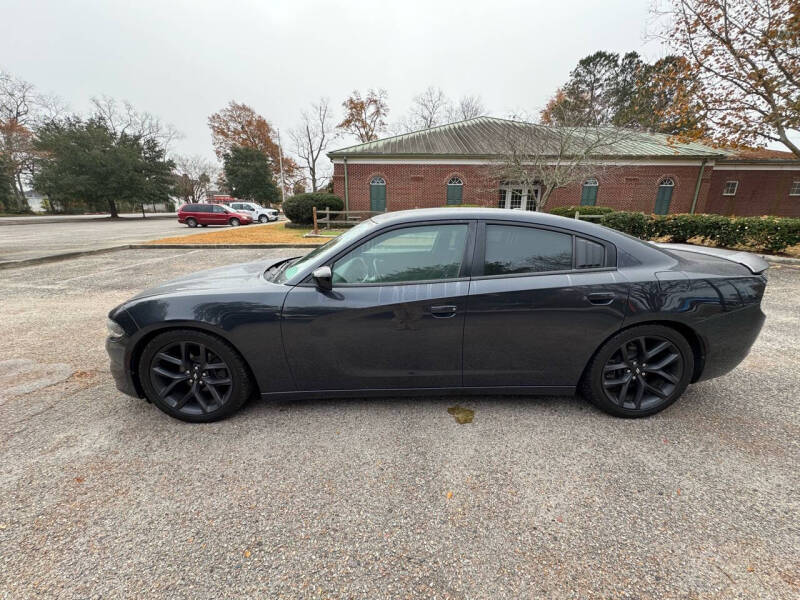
x=589 y=192
x=377 y=194
x=455 y=191
x=664 y=196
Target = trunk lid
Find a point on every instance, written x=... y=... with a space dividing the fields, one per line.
x=752 y=262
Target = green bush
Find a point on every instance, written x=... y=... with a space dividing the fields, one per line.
x=299 y=208
x=772 y=234
x=632 y=223
x=569 y=211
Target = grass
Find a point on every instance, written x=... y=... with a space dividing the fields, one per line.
x=252 y=234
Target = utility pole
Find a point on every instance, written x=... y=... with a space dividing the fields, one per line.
x=280 y=161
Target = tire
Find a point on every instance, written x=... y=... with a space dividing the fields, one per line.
x=619 y=381
x=177 y=369
x=263 y=218
x=234 y=222
x=191 y=222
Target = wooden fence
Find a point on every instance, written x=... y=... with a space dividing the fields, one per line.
x=351 y=217
x=580 y=217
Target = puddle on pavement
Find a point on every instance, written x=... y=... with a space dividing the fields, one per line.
x=461 y=415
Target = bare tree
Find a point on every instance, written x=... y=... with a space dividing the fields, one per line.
x=428 y=109
x=195 y=174
x=468 y=107
x=312 y=138
x=122 y=118
x=22 y=110
x=553 y=157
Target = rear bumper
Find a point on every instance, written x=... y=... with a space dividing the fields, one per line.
x=123 y=378
x=728 y=338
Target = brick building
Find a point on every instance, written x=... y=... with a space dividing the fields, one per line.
x=645 y=172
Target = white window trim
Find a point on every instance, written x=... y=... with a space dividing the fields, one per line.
x=794 y=189
x=725 y=191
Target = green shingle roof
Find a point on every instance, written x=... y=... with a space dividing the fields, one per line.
x=489 y=136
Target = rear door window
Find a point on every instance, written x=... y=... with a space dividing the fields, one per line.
x=513 y=249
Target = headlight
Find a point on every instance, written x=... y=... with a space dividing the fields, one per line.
x=114 y=329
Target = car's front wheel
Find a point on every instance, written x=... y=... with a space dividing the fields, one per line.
x=263 y=218
x=639 y=372
x=194 y=376
x=191 y=222
x=234 y=222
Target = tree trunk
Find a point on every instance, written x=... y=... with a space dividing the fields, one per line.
x=112 y=208
x=19 y=193
x=546 y=191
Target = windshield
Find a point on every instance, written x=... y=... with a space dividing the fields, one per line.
x=292 y=268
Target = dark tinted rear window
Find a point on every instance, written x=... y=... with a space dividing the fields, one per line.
x=190 y=208
x=511 y=249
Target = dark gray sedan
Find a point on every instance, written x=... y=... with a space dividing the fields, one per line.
x=445 y=301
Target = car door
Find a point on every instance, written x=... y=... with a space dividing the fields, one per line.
x=219 y=216
x=394 y=318
x=540 y=302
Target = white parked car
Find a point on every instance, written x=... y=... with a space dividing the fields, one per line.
x=259 y=213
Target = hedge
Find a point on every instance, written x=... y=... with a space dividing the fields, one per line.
x=569 y=211
x=299 y=208
x=773 y=234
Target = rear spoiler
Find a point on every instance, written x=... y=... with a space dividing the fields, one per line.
x=755 y=263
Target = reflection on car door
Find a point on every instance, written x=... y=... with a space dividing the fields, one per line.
x=533 y=318
x=394 y=318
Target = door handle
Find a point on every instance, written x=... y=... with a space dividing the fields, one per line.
x=601 y=298
x=444 y=312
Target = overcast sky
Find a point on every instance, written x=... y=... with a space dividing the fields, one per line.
x=182 y=60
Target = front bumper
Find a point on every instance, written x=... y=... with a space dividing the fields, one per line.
x=123 y=378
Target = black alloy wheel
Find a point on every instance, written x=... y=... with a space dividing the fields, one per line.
x=234 y=222
x=191 y=222
x=194 y=376
x=639 y=372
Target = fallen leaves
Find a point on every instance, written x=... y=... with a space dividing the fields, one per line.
x=461 y=415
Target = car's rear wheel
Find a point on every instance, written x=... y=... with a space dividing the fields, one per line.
x=191 y=222
x=234 y=222
x=194 y=376
x=639 y=372
x=263 y=218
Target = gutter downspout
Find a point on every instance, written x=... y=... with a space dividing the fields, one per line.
x=346 y=187
x=696 y=186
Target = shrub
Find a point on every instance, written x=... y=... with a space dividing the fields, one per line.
x=773 y=234
x=632 y=223
x=299 y=208
x=569 y=211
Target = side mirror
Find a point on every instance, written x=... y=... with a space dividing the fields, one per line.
x=323 y=278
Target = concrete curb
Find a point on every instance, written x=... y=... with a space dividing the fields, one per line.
x=786 y=260
x=25 y=262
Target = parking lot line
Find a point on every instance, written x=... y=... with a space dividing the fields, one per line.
x=134 y=266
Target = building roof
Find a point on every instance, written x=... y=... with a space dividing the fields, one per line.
x=491 y=136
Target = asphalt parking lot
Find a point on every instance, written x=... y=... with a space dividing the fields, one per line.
x=104 y=496
x=32 y=239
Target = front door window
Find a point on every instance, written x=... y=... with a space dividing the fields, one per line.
x=424 y=253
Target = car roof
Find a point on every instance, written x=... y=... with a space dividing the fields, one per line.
x=494 y=214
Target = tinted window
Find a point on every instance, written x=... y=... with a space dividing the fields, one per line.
x=589 y=255
x=190 y=208
x=511 y=249
x=201 y=208
x=425 y=253
x=217 y=209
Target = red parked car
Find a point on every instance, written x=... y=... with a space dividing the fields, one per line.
x=211 y=214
